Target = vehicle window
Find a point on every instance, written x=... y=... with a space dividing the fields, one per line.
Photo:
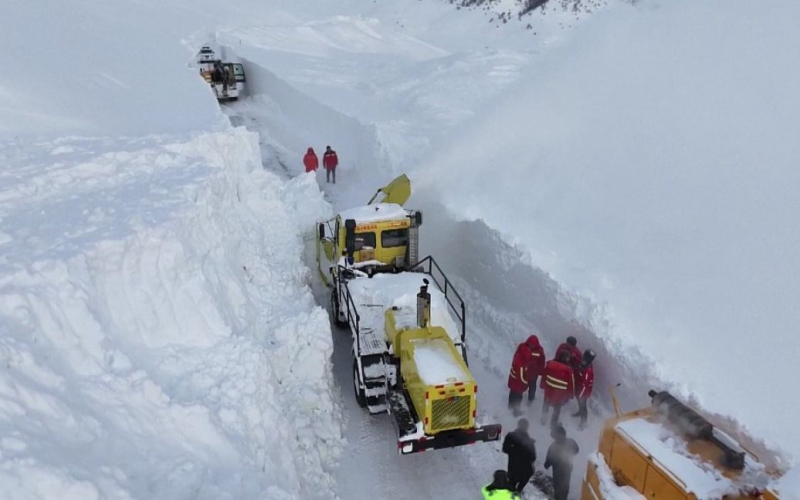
x=394 y=238
x=365 y=240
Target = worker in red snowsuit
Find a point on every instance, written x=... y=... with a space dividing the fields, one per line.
x=330 y=162
x=311 y=161
x=575 y=354
x=585 y=383
x=558 y=383
x=537 y=365
x=524 y=365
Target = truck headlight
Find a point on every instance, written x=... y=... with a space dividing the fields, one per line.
x=408 y=448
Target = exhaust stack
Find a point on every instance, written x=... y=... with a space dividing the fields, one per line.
x=424 y=305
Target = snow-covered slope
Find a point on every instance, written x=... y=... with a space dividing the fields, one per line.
x=157 y=335
x=156 y=327
x=653 y=159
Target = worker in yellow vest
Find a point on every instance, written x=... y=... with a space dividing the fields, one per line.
x=499 y=489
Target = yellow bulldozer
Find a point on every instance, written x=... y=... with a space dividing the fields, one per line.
x=668 y=451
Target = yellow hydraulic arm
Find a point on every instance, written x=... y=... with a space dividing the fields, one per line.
x=398 y=191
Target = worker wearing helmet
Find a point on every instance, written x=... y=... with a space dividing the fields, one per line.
x=571 y=346
x=499 y=488
x=584 y=385
x=558 y=383
x=311 y=161
x=526 y=366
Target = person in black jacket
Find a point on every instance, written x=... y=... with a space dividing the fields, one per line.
x=521 y=451
x=560 y=456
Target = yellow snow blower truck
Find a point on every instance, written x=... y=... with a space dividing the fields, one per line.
x=668 y=451
x=407 y=324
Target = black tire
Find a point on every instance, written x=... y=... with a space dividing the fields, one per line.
x=335 y=312
x=361 y=397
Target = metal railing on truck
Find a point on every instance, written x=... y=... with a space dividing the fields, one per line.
x=428 y=266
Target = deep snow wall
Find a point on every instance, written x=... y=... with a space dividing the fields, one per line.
x=289 y=122
x=160 y=342
x=648 y=164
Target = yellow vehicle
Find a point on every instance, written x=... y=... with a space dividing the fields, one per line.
x=382 y=234
x=409 y=338
x=668 y=451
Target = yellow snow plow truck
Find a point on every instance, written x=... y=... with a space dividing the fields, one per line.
x=668 y=451
x=407 y=323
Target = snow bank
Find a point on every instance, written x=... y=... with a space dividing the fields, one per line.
x=435 y=363
x=100 y=68
x=654 y=173
x=608 y=485
x=373 y=296
x=669 y=450
x=157 y=335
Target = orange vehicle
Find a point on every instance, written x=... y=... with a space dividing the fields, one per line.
x=668 y=451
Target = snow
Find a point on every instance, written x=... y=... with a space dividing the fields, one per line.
x=373 y=296
x=151 y=347
x=608 y=485
x=669 y=449
x=789 y=485
x=636 y=190
x=435 y=363
x=652 y=176
x=374 y=213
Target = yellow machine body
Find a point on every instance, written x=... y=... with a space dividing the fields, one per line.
x=631 y=465
x=372 y=243
x=444 y=398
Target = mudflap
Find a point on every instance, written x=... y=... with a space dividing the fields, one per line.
x=544 y=483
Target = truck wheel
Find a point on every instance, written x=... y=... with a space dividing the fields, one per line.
x=337 y=314
x=361 y=398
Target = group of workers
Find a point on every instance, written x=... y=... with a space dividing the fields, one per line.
x=329 y=160
x=568 y=375
x=219 y=73
x=521 y=451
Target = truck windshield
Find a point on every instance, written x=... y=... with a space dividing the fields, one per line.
x=365 y=240
x=394 y=238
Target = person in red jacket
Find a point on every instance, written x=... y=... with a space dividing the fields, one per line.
x=558 y=383
x=575 y=354
x=585 y=384
x=311 y=161
x=519 y=378
x=537 y=365
x=330 y=161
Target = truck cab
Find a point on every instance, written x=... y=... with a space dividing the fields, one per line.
x=377 y=237
x=380 y=237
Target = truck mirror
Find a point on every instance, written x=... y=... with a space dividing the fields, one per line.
x=418 y=218
x=321 y=231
